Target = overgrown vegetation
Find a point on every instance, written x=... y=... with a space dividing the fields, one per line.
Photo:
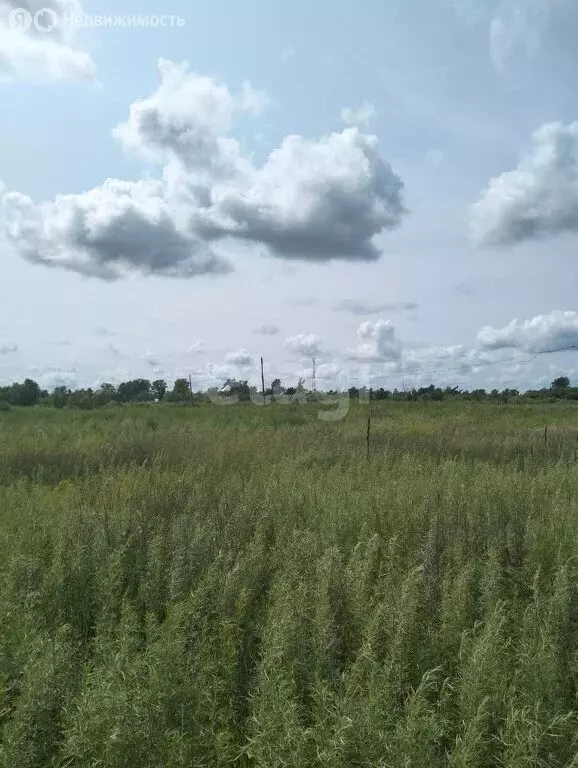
x=245 y=586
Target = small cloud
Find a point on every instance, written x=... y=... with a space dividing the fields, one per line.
x=362 y=307
x=267 y=330
x=151 y=358
x=467 y=288
x=361 y=116
x=253 y=101
x=113 y=350
x=305 y=345
x=197 y=348
x=515 y=28
x=240 y=357
x=378 y=342
x=304 y=301
x=8 y=349
x=54 y=376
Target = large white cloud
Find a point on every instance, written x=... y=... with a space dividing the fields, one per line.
x=312 y=199
x=119 y=227
x=557 y=330
x=539 y=197
x=38 y=40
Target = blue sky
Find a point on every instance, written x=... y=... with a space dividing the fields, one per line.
x=423 y=217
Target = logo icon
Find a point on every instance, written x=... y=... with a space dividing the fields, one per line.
x=45 y=20
x=20 y=19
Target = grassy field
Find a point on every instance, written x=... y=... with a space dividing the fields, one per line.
x=245 y=586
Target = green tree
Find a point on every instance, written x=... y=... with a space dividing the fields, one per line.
x=159 y=389
x=59 y=397
x=181 y=391
x=82 y=398
x=26 y=394
x=562 y=382
x=105 y=394
x=239 y=388
x=136 y=391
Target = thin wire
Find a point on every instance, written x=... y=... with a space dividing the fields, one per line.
x=470 y=366
x=488 y=363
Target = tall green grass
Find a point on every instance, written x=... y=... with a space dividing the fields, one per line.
x=244 y=586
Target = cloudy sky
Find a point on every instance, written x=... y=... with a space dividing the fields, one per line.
x=391 y=188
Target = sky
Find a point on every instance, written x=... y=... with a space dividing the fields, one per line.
x=389 y=188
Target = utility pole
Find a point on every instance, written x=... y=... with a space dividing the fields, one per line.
x=368 y=435
x=191 y=388
x=262 y=380
x=313 y=383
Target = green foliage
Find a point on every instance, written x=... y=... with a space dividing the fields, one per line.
x=246 y=586
x=143 y=391
x=562 y=382
x=25 y=394
x=181 y=392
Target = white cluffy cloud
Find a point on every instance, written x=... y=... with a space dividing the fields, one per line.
x=378 y=345
x=538 y=198
x=313 y=200
x=305 y=345
x=38 y=41
x=378 y=342
x=557 y=330
x=119 y=227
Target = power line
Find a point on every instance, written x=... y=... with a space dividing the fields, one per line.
x=489 y=363
x=482 y=364
x=463 y=368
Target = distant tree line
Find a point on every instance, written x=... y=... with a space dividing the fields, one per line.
x=559 y=389
x=29 y=393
